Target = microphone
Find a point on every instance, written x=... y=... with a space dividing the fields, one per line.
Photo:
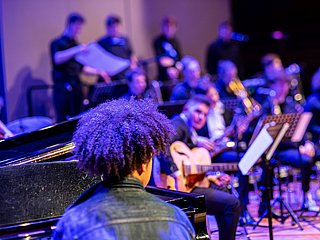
x=240 y=37
x=266 y=91
x=293 y=69
x=254 y=82
x=170 y=50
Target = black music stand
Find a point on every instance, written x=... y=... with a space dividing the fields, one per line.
x=298 y=123
x=263 y=146
x=108 y=91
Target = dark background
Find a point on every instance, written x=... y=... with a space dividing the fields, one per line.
x=298 y=19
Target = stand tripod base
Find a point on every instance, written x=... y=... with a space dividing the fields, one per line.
x=295 y=219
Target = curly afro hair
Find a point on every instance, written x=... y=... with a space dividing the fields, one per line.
x=117 y=137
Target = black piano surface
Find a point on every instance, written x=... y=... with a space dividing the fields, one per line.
x=39 y=145
x=39 y=180
x=54 y=142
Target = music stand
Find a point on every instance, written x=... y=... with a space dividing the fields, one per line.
x=298 y=123
x=108 y=91
x=263 y=146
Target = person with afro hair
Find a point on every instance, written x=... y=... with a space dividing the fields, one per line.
x=117 y=141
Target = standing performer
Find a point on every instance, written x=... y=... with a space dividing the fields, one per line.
x=167 y=50
x=67 y=93
x=223 y=48
x=118 y=44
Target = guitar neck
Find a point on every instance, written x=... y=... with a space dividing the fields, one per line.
x=199 y=175
x=222 y=167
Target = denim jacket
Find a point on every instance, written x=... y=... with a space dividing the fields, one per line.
x=122 y=211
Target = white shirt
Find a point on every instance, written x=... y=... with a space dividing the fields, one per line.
x=215 y=121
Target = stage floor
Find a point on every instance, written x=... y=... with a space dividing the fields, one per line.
x=286 y=231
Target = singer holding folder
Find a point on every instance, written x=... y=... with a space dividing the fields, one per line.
x=67 y=92
x=117 y=44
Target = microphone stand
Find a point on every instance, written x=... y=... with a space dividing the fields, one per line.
x=236 y=144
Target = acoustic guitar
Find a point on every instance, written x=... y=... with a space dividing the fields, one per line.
x=193 y=164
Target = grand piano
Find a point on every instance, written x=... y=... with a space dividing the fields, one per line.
x=39 y=179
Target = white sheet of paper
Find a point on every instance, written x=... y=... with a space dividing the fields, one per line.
x=100 y=59
x=301 y=127
x=256 y=149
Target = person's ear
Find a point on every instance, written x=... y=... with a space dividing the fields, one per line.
x=142 y=169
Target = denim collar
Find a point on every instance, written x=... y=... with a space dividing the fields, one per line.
x=128 y=182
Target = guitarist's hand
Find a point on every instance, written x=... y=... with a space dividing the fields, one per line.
x=179 y=183
x=219 y=180
x=205 y=143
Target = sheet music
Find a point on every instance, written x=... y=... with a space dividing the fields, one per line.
x=257 y=148
x=100 y=59
x=301 y=127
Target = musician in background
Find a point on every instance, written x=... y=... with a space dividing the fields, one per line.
x=191 y=73
x=230 y=88
x=299 y=156
x=223 y=205
x=116 y=141
x=215 y=127
x=227 y=72
x=167 y=50
x=67 y=92
x=313 y=105
x=273 y=70
x=223 y=48
x=137 y=86
x=221 y=134
x=118 y=44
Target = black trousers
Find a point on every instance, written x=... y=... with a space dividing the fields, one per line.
x=292 y=157
x=243 y=190
x=226 y=209
x=67 y=100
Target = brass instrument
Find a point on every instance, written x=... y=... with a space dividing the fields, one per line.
x=250 y=106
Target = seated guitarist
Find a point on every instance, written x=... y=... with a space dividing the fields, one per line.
x=216 y=129
x=225 y=206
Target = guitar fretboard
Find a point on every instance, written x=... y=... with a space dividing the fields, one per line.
x=222 y=167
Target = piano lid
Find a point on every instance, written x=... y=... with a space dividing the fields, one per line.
x=28 y=145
